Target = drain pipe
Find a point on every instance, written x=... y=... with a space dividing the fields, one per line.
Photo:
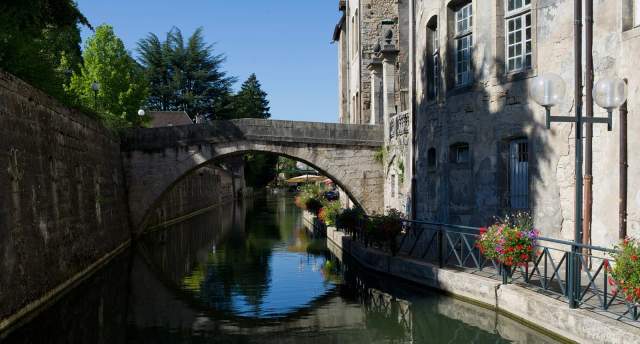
x=412 y=90
x=624 y=166
x=588 y=144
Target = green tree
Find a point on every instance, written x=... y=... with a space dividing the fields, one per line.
x=260 y=169
x=122 y=84
x=185 y=75
x=40 y=42
x=251 y=101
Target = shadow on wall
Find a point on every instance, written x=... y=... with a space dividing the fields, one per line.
x=481 y=151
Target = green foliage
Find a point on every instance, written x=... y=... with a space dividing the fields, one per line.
x=260 y=169
x=381 y=154
x=122 y=84
x=401 y=170
x=251 y=101
x=329 y=212
x=384 y=230
x=625 y=274
x=350 y=220
x=40 y=42
x=310 y=198
x=186 y=75
x=313 y=205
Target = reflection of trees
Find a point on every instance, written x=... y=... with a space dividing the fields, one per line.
x=240 y=266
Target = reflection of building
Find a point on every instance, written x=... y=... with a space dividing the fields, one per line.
x=481 y=146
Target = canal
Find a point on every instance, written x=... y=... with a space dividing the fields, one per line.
x=250 y=273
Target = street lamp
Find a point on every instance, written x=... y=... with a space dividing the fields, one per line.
x=610 y=93
x=548 y=91
x=95 y=86
x=141 y=113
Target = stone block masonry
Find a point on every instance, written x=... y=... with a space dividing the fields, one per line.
x=63 y=204
x=201 y=189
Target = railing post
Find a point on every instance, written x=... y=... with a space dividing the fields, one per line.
x=441 y=246
x=573 y=282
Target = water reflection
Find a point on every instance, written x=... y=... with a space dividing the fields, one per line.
x=249 y=273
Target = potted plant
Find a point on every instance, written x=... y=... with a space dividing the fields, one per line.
x=511 y=241
x=329 y=213
x=625 y=273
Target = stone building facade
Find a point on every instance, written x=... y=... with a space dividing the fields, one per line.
x=482 y=148
x=374 y=79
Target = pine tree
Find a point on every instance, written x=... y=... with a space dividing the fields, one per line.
x=251 y=101
x=185 y=75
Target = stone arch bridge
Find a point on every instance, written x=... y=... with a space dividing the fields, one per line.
x=155 y=159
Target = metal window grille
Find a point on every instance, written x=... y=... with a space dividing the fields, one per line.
x=519 y=174
x=519 y=36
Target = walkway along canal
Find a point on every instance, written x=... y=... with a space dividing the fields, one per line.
x=251 y=273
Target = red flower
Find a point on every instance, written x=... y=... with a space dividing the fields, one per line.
x=634 y=257
x=483 y=230
x=612 y=282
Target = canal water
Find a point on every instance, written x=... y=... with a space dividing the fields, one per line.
x=250 y=273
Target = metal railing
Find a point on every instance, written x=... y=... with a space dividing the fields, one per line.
x=549 y=273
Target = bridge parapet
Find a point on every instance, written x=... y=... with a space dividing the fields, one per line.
x=152 y=139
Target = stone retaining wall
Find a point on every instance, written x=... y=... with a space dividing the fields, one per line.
x=63 y=204
x=535 y=309
x=202 y=188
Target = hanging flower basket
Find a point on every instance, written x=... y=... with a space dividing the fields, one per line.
x=511 y=241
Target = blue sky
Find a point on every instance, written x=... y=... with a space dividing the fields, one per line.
x=285 y=42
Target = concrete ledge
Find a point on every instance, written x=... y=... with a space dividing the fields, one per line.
x=528 y=307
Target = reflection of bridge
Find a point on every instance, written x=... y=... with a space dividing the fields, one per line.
x=155 y=159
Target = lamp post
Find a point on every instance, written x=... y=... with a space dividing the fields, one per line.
x=95 y=86
x=548 y=90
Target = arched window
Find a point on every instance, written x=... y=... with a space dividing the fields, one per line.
x=433 y=58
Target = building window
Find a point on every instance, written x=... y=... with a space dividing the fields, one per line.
x=463 y=44
x=433 y=56
x=519 y=174
x=355 y=35
x=432 y=160
x=636 y=13
x=460 y=153
x=518 y=33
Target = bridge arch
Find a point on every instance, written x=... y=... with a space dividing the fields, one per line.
x=156 y=159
